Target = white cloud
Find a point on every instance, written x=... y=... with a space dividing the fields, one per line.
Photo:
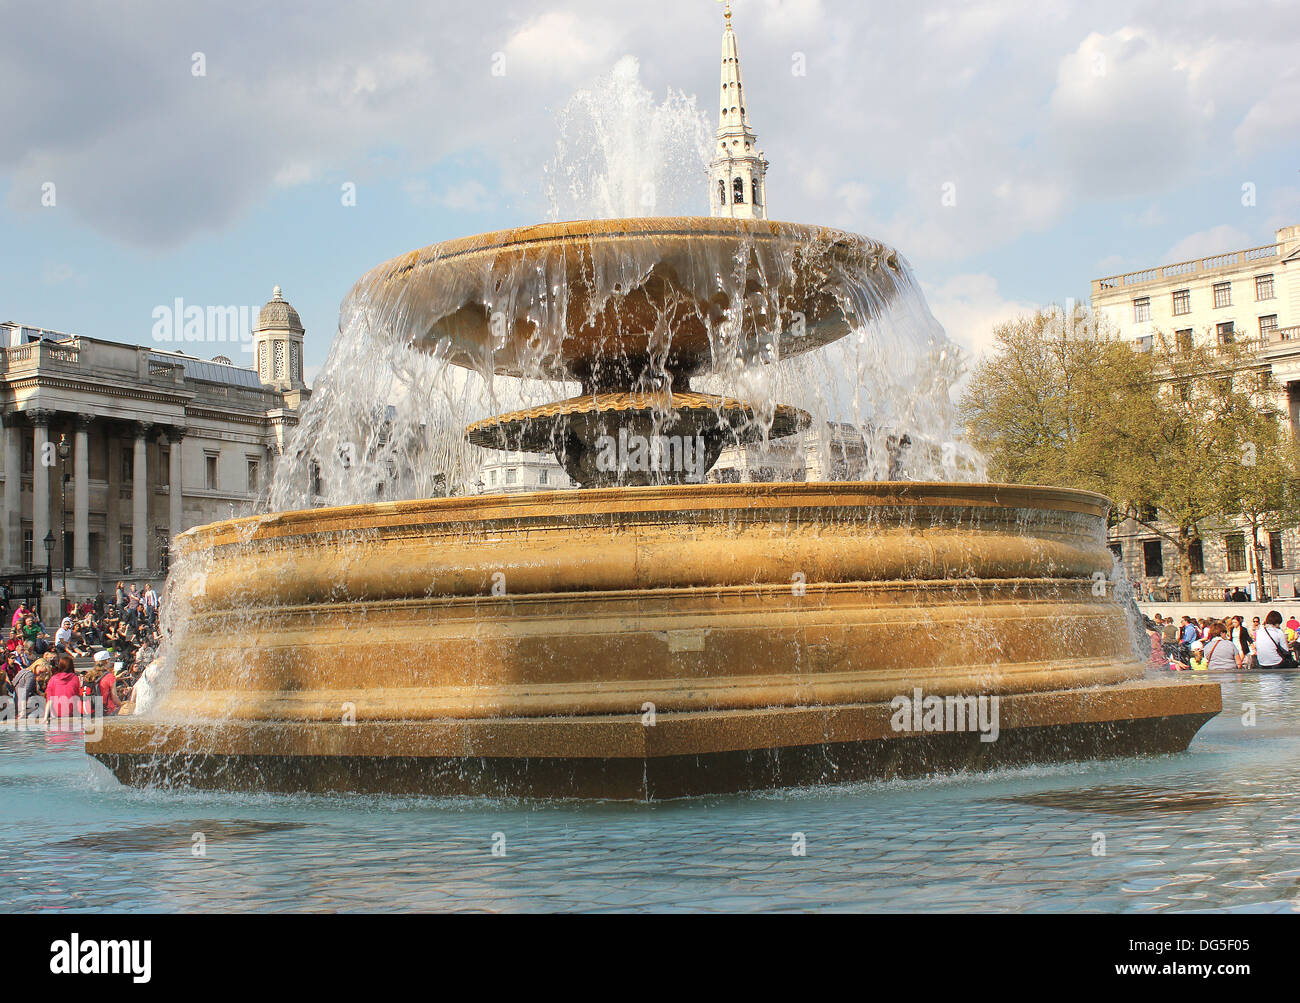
x=1274 y=118
x=560 y=43
x=1128 y=112
x=969 y=307
x=788 y=18
x=1003 y=100
x=464 y=196
x=1215 y=240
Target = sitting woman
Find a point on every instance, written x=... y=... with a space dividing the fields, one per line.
x=63 y=691
x=1221 y=655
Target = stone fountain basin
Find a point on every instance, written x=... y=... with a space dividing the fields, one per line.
x=515 y=644
x=566 y=300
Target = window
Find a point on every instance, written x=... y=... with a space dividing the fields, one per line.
x=512 y=475
x=1226 y=333
x=544 y=477
x=1222 y=294
x=492 y=477
x=128 y=464
x=739 y=188
x=722 y=192
x=28 y=554
x=261 y=362
x=295 y=370
x=756 y=199
x=1264 y=287
x=1182 y=302
x=1223 y=386
x=1144 y=343
x=1117 y=551
x=1184 y=340
x=164 y=466
x=254 y=476
x=1196 y=557
x=279 y=360
x=1264 y=379
x=1236 y=548
x=1142 y=310
x=1275 y=553
x=29 y=454
x=210 y=471
x=1267 y=326
x=124 y=550
x=314 y=479
x=1153 y=559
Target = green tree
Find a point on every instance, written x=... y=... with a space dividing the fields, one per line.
x=1157 y=427
x=1262 y=486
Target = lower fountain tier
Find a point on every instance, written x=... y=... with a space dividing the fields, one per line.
x=624 y=757
x=515 y=642
x=636 y=437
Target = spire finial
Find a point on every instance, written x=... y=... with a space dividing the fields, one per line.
x=727 y=11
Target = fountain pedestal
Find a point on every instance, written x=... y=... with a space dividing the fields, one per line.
x=649 y=642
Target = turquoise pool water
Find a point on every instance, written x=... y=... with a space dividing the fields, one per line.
x=1217 y=828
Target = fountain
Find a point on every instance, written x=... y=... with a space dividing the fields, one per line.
x=647 y=634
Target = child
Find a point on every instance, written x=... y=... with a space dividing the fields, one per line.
x=1199 y=662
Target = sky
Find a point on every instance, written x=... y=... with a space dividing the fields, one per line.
x=1012 y=151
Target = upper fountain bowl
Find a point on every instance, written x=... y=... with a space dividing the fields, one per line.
x=606 y=301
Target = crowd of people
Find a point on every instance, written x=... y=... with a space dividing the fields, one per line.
x=1224 y=645
x=101 y=659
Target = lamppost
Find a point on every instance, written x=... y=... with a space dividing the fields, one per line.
x=49 y=561
x=64 y=450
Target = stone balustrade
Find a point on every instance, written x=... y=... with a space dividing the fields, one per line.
x=1213 y=263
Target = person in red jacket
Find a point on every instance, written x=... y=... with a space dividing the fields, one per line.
x=63 y=692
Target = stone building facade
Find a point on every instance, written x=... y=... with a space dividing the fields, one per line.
x=1249 y=296
x=112 y=449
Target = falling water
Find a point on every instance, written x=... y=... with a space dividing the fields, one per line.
x=620 y=155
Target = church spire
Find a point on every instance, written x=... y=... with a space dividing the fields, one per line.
x=737 y=174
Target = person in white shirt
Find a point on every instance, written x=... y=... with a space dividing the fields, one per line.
x=1271 y=648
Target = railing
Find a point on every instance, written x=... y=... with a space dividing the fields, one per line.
x=1278 y=335
x=1214 y=262
x=253 y=398
x=41 y=353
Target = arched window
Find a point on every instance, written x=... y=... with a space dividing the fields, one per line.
x=757 y=200
x=722 y=192
x=739 y=188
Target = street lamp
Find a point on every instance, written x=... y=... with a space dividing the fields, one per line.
x=49 y=561
x=64 y=450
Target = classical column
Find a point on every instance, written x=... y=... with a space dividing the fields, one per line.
x=81 y=493
x=13 y=503
x=175 y=496
x=140 y=501
x=42 y=456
